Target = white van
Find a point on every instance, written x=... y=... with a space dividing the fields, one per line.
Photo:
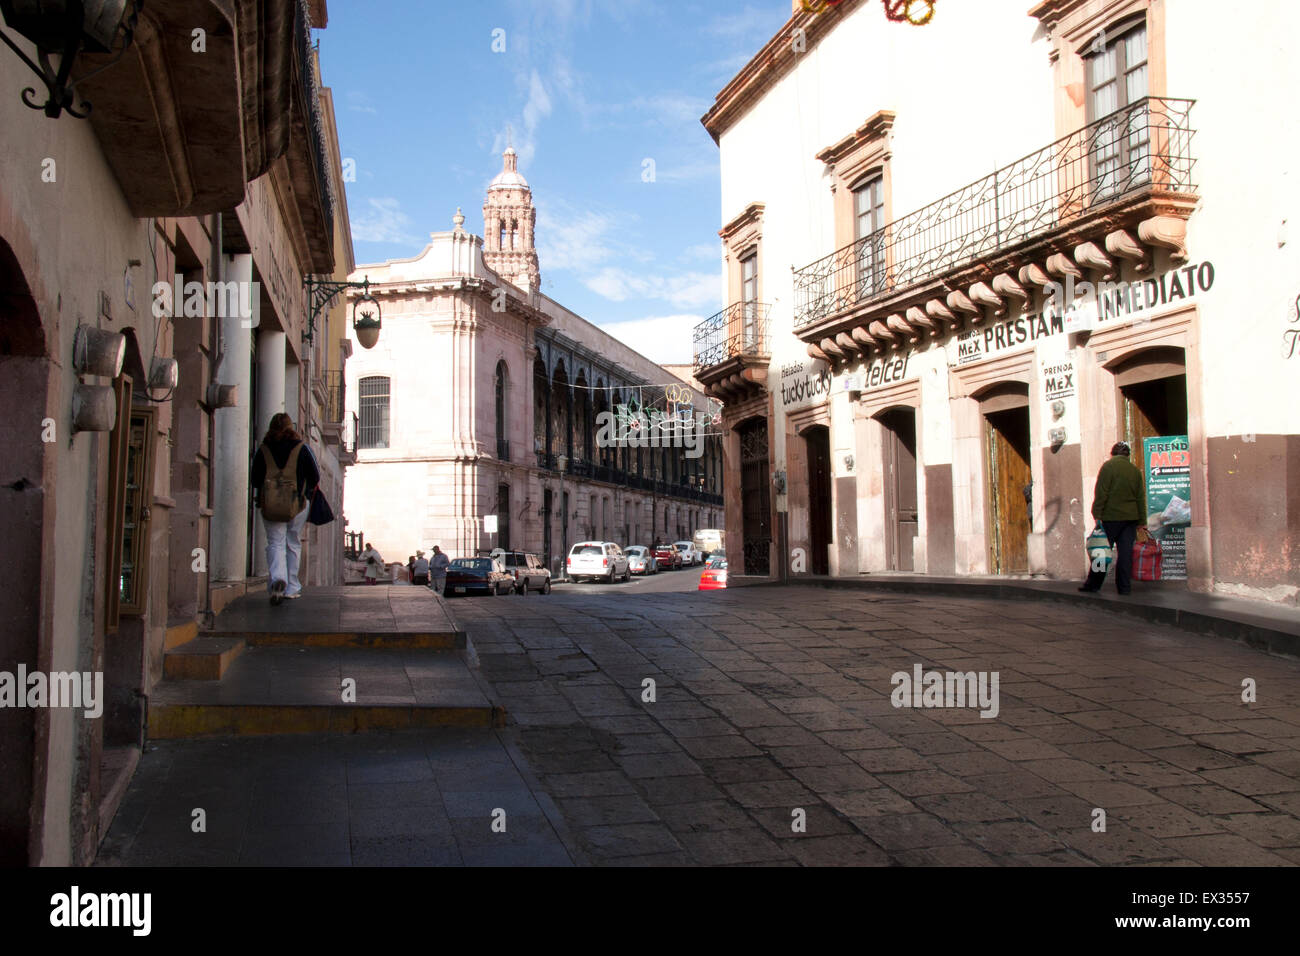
x=710 y=540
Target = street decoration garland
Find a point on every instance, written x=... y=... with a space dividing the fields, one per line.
x=916 y=12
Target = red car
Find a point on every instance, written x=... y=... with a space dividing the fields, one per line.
x=667 y=557
x=714 y=579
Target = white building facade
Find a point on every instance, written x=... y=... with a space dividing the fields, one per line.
x=967 y=257
x=484 y=399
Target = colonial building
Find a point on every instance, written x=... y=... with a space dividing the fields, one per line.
x=485 y=399
x=993 y=245
x=152 y=319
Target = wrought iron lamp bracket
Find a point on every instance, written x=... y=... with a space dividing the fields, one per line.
x=321 y=293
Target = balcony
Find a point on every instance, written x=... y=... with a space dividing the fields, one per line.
x=732 y=349
x=351 y=428
x=1071 y=202
x=334 y=396
x=201 y=126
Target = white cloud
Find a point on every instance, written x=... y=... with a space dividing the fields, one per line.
x=688 y=290
x=711 y=251
x=664 y=339
x=359 y=102
x=578 y=241
x=746 y=22
x=382 y=220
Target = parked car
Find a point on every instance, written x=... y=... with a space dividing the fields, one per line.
x=714 y=578
x=690 y=556
x=597 y=560
x=718 y=559
x=529 y=572
x=485 y=575
x=640 y=560
x=667 y=557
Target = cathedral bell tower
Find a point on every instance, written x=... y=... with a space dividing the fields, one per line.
x=508 y=220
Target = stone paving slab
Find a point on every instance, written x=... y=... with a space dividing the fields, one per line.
x=775 y=700
x=375 y=610
x=1272 y=626
x=314 y=676
x=426 y=799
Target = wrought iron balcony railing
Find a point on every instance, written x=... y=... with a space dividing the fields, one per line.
x=742 y=328
x=334 y=396
x=1146 y=145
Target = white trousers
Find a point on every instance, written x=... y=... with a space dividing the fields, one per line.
x=284 y=551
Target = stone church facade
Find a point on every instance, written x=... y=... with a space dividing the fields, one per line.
x=483 y=397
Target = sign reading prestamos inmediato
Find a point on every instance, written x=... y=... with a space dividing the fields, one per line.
x=1168 y=468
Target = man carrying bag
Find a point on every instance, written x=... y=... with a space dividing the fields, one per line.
x=1119 y=503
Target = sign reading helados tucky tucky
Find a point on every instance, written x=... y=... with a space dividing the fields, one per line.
x=804 y=383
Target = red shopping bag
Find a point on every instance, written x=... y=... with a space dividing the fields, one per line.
x=1148 y=560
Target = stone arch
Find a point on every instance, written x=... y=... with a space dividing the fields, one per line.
x=26 y=482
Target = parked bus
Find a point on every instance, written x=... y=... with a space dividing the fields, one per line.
x=710 y=540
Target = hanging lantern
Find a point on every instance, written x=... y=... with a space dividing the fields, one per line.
x=366 y=323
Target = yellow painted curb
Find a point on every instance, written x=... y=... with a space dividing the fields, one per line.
x=425 y=641
x=171 y=721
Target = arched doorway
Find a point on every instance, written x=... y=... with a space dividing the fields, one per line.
x=1151 y=391
x=817 y=441
x=1008 y=476
x=24 y=377
x=755 y=496
x=898 y=468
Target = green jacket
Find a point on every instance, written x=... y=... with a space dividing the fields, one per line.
x=1120 y=494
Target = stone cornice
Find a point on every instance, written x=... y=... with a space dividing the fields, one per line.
x=769 y=65
x=876 y=128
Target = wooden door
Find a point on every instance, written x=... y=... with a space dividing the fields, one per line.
x=1007 y=444
x=899 y=464
x=755 y=502
x=818 y=441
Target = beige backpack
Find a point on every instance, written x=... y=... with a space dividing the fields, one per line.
x=280 y=498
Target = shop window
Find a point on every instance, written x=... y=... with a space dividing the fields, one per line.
x=137 y=492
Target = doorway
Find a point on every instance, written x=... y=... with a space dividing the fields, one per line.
x=503 y=516
x=898 y=448
x=546 y=527
x=818 y=441
x=1007 y=451
x=755 y=501
x=24 y=376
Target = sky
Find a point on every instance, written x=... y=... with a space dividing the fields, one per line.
x=589 y=91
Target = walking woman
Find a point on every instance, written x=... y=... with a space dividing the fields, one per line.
x=284 y=478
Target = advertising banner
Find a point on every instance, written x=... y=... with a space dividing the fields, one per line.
x=1168 y=471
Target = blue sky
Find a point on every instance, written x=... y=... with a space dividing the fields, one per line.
x=591 y=89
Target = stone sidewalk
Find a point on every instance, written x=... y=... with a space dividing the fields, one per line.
x=775 y=700
x=417 y=799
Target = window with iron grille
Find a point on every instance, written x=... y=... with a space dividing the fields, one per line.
x=372 y=404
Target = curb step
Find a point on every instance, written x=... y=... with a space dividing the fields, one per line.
x=203 y=658
x=170 y=721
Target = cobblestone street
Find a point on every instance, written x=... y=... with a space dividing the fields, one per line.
x=770 y=700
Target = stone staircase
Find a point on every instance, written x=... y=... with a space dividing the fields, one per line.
x=337 y=660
